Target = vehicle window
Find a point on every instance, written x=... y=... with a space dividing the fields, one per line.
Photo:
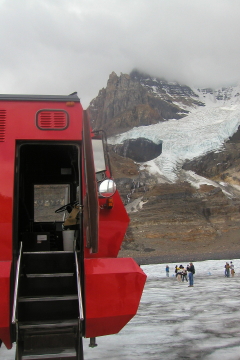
x=47 y=199
x=98 y=155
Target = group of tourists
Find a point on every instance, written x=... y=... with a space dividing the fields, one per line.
x=183 y=273
x=186 y=273
x=229 y=269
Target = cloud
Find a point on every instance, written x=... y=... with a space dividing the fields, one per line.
x=59 y=46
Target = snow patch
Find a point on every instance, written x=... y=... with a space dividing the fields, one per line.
x=135 y=205
x=197 y=180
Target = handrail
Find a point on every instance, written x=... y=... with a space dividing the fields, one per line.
x=16 y=286
x=80 y=303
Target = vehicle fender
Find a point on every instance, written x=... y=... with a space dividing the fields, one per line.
x=113 y=289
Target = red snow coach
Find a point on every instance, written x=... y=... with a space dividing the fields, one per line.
x=62 y=223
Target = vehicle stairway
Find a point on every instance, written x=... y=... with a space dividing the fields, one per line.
x=48 y=307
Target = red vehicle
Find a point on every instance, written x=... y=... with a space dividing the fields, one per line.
x=62 y=223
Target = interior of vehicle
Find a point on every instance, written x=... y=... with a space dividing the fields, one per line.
x=47 y=178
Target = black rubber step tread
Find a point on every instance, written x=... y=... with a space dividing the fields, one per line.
x=47 y=286
x=48 y=263
x=48 y=310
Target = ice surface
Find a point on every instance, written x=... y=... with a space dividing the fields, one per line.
x=202 y=131
x=177 y=322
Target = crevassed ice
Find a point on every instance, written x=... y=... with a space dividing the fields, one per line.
x=195 y=135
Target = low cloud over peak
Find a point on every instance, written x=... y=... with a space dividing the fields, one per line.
x=59 y=47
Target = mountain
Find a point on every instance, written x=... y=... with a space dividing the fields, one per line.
x=135 y=100
x=187 y=196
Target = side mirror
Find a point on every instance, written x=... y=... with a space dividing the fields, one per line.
x=107 y=188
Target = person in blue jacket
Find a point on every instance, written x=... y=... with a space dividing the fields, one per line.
x=167 y=270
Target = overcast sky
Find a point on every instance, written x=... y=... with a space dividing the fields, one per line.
x=62 y=46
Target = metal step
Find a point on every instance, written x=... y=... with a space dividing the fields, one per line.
x=47 y=298
x=49 y=341
x=57 y=324
x=50 y=354
x=49 y=275
x=48 y=284
x=48 y=262
x=48 y=309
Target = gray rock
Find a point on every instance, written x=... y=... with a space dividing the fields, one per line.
x=139 y=150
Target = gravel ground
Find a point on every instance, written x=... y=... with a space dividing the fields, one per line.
x=221 y=248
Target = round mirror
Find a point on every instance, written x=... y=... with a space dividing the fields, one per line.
x=107 y=188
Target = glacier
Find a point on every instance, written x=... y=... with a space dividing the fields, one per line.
x=175 y=321
x=203 y=130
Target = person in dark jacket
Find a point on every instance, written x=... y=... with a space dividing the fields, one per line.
x=191 y=272
x=227 y=269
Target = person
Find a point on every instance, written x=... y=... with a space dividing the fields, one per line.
x=227 y=269
x=232 y=269
x=178 y=271
x=191 y=272
x=167 y=270
x=184 y=274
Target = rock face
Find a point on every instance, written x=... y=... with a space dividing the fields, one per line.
x=224 y=164
x=179 y=220
x=168 y=218
x=137 y=100
x=139 y=150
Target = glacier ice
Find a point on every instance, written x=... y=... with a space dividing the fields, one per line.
x=202 y=131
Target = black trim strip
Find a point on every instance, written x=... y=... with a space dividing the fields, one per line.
x=64 y=98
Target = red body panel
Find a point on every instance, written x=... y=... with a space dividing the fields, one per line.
x=114 y=288
x=21 y=125
x=113 y=224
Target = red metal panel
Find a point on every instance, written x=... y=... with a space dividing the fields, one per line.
x=113 y=289
x=5 y=268
x=6 y=201
x=18 y=122
x=113 y=225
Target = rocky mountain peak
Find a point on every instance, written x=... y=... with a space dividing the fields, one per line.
x=166 y=215
x=137 y=100
x=162 y=87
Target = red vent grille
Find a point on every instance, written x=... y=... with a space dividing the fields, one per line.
x=52 y=120
x=3 y=115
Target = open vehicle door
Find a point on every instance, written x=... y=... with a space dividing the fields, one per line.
x=91 y=212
